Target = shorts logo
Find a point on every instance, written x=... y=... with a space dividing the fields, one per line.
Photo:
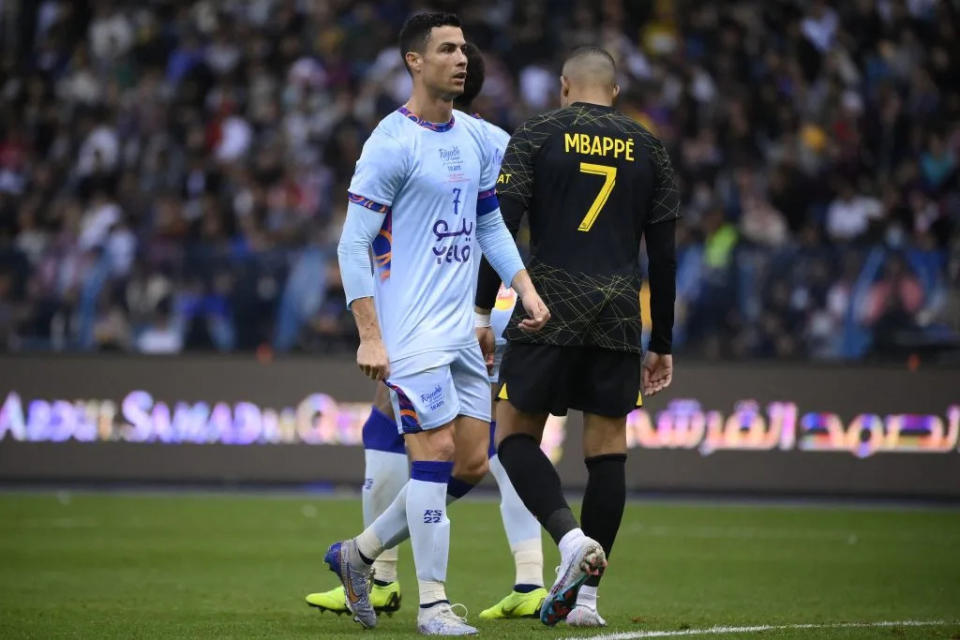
x=434 y=399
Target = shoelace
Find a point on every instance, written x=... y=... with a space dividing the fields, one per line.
x=463 y=618
x=448 y=608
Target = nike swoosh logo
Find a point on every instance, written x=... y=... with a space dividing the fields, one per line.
x=351 y=594
x=511 y=610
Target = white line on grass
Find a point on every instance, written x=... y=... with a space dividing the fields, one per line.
x=848 y=536
x=635 y=635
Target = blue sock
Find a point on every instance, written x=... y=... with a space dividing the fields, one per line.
x=457 y=488
x=430 y=604
x=381 y=433
x=526 y=588
x=492 y=447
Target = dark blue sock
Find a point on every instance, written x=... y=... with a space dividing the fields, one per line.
x=380 y=433
x=430 y=604
x=526 y=588
x=457 y=488
x=492 y=448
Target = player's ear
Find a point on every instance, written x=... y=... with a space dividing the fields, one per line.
x=616 y=91
x=414 y=60
x=564 y=87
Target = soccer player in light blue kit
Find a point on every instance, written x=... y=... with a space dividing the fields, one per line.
x=386 y=465
x=423 y=197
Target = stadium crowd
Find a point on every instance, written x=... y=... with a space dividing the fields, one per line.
x=173 y=174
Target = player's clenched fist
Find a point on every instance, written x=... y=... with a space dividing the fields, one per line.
x=372 y=359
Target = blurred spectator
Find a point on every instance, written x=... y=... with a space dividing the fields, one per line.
x=172 y=175
x=850 y=214
x=894 y=299
x=161 y=336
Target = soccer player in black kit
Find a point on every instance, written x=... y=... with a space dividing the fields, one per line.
x=593 y=181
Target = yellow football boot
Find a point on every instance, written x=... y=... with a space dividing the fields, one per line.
x=385 y=599
x=516 y=605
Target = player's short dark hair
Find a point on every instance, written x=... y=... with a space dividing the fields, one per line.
x=416 y=30
x=591 y=50
x=476 y=73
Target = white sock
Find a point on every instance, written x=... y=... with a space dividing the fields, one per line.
x=369 y=544
x=523 y=530
x=587 y=597
x=385 y=566
x=570 y=542
x=517 y=521
x=432 y=591
x=429 y=526
x=528 y=560
x=388 y=530
x=386 y=474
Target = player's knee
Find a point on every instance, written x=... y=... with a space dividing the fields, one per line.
x=472 y=468
x=443 y=448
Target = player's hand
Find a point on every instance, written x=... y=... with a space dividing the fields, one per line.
x=657 y=373
x=488 y=345
x=372 y=359
x=537 y=313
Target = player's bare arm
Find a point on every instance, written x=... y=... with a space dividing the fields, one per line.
x=372 y=354
x=537 y=312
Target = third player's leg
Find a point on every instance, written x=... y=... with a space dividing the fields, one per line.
x=386 y=474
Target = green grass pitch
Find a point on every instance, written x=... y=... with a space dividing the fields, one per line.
x=88 y=565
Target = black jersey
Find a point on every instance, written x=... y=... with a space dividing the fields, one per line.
x=591 y=179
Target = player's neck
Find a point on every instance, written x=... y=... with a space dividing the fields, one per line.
x=589 y=97
x=432 y=108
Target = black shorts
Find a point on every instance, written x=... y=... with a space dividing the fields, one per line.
x=545 y=378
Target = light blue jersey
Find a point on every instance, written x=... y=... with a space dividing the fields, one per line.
x=498 y=140
x=431 y=181
x=507 y=298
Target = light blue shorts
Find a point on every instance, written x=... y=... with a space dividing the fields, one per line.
x=430 y=389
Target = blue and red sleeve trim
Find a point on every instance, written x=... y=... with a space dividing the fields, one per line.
x=368 y=203
x=487 y=202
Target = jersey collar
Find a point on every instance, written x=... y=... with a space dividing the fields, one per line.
x=439 y=127
x=591 y=105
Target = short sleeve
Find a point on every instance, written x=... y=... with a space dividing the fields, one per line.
x=491 y=163
x=380 y=173
x=665 y=199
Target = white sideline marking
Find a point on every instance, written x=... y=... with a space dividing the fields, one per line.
x=634 y=635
